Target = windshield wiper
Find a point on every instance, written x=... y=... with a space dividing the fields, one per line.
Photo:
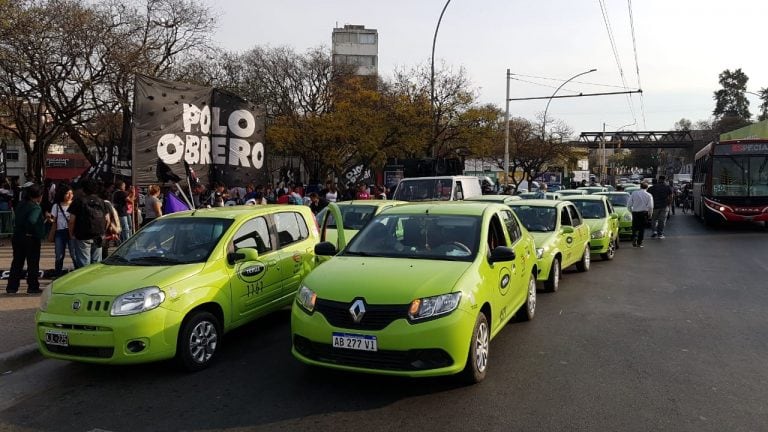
x=116 y=259
x=155 y=259
x=363 y=254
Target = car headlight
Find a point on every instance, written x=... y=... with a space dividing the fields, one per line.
x=627 y=217
x=306 y=298
x=430 y=307
x=137 y=301
x=598 y=234
x=46 y=297
x=539 y=253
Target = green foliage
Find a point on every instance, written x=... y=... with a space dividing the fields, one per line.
x=730 y=100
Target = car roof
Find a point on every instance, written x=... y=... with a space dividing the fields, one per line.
x=538 y=203
x=578 y=191
x=590 y=197
x=459 y=208
x=370 y=203
x=612 y=193
x=494 y=198
x=238 y=212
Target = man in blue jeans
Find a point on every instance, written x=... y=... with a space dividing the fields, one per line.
x=88 y=221
x=662 y=195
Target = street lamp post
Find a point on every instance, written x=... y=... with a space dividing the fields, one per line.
x=432 y=80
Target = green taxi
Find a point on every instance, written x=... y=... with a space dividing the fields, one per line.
x=501 y=199
x=176 y=286
x=619 y=201
x=561 y=237
x=420 y=291
x=354 y=216
x=566 y=193
x=603 y=222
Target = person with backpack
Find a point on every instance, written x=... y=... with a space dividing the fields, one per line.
x=28 y=231
x=88 y=221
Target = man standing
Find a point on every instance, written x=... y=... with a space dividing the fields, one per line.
x=662 y=194
x=88 y=221
x=640 y=203
x=317 y=202
x=28 y=231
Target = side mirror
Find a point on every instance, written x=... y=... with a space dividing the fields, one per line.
x=614 y=216
x=566 y=229
x=502 y=254
x=325 y=249
x=244 y=254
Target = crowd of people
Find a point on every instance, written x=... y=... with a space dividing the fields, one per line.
x=86 y=217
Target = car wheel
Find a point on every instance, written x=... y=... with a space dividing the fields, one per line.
x=198 y=340
x=552 y=284
x=528 y=310
x=477 y=359
x=611 y=252
x=583 y=265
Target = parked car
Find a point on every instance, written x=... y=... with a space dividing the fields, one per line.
x=603 y=221
x=619 y=202
x=441 y=188
x=593 y=189
x=354 y=215
x=560 y=234
x=420 y=291
x=565 y=193
x=501 y=199
x=176 y=286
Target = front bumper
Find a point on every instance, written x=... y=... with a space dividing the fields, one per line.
x=106 y=339
x=625 y=229
x=430 y=348
x=599 y=245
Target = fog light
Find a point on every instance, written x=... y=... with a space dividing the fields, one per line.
x=136 y=346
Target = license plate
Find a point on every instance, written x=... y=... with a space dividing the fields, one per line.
x=59 y=338
x=354 y=342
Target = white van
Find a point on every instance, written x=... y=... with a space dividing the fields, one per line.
x=441 y=188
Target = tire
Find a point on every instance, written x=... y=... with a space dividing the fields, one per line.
x=477 y=358
x=552 y=284
x=528 y=310
x=198 y=341
x=583 y=265
x=610 y=253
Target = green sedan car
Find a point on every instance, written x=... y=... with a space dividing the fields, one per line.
x=420 y=291
x=619 y=202
x=176 y=286
x=354 y=216
x=561 y=237
x=501 y=199
x=603 y=221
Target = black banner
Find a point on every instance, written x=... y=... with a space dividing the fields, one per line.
x=219 y=135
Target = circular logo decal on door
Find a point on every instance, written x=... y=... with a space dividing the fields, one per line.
x=251 y=272
x=504 y=280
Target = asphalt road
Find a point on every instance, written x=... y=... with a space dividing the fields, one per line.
x=669 y=337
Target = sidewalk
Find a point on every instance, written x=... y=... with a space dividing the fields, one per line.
x=18 y=345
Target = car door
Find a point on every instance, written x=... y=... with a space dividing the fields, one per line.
x=568 y=243
x=295 y=252
x=519 y=267
x=254 y=284
x=499 y=279
x=581 y=231
x=613 y=219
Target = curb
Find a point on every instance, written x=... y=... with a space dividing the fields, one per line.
x=19 y=358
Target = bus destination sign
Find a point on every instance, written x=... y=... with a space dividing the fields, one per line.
x=741 y=149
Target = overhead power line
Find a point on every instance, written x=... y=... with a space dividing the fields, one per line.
x=563 y=79
x=637 y=64
x=611 y=39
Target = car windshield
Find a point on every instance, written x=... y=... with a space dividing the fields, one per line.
x=591 y=209
x=537 y=219
x=424 y=190
x=171 y=241
x=419 y=236
x=619 y=200
x=355 y=217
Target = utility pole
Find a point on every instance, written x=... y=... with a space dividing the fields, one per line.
x=506 y=137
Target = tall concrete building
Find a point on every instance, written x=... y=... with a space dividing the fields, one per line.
x=356 y=45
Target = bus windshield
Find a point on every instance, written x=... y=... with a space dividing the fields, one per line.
x=740 y=176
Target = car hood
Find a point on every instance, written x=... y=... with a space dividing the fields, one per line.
x=595 y=224
x=542 y=238
x=384 y=280
x=113 y=280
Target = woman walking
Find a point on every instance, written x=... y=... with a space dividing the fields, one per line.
x=153 y=208
x=61 y=239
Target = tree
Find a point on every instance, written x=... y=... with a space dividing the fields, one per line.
x=731 y=100
x=763 y=106
x=683 y=125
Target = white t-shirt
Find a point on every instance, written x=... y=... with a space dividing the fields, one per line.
x=61 y=213
x=331 y=196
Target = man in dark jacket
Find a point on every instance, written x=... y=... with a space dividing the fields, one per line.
x=88 y=221
x=662 y=195
x=28 y=232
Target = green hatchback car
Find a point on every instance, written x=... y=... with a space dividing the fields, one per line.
x=176 y=286
x=619 y=201
x=561 y=237
x=603 y=222
x=420 y=291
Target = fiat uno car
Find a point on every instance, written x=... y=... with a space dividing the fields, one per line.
x=420 y=291
x=177 y=285
x=603 y=222
x=561 y=236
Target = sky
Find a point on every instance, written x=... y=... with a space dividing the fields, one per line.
x=681 y=48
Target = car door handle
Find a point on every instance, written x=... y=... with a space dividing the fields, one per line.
x=271 y=263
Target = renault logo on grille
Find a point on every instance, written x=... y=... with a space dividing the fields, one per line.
x=76 y=305
x=357 y=310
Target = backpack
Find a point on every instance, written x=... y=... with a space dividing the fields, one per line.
x=95 y=221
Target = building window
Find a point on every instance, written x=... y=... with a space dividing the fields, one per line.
x=12 y=155
x=366 y=38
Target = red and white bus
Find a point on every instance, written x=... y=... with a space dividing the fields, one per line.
x=730 y=181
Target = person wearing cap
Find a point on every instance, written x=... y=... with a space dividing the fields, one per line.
x=28 y=232
x=640 y=203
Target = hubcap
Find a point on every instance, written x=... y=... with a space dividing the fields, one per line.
x=203 y=341
x=556 y=275
x=481 y=347
x=586 y=258
x=531 y=296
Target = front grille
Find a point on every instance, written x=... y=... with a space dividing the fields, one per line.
x=82 y=351
x=411 y=360
x=97 y=306
x=75 y=327
x=376 y=317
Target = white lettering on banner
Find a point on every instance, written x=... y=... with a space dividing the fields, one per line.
x=196 y=147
